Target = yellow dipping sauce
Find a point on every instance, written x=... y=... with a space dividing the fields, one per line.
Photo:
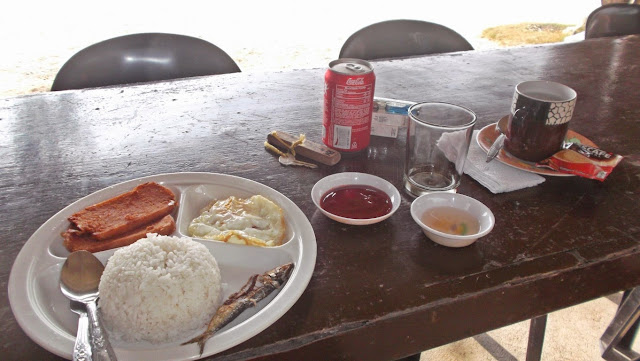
x=451 y=220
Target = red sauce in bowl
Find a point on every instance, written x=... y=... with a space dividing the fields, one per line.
x=356 y=202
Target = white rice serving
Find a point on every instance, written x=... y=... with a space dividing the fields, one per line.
x=159 y=288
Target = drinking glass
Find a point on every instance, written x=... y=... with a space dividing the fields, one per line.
x=438 y=138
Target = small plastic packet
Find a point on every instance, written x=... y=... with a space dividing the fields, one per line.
x=582 y=160
x=389 y=115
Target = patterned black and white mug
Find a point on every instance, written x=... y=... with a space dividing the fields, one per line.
x=539 y=119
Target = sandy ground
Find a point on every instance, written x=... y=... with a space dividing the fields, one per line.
x=38 y=37
x=572 y=334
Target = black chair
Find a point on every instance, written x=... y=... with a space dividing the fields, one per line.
x=613 y=20
x=401 y=38
x=142 y=58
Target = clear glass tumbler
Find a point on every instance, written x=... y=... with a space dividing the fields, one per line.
x=438 y=138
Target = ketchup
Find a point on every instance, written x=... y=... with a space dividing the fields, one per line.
x=356 y=202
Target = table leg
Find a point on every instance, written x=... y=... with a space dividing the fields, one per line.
x=627 y=340
x=618 y=337
x=415 y=357
x=536 y=338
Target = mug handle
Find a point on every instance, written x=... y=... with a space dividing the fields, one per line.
x=519 y=118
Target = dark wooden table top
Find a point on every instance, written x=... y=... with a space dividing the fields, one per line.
x=378 y=292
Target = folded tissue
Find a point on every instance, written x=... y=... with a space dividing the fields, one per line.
x=495 y=176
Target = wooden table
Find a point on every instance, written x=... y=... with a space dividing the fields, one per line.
x=378 y=292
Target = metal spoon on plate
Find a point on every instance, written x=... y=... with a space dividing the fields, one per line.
x=82 y=347
x=493 y=151
x=79 y=280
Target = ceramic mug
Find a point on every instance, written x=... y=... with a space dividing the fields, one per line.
x=539 y=119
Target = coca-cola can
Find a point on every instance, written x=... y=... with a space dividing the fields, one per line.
x=348 y=105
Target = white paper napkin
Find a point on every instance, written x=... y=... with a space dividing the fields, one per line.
x=497 y=177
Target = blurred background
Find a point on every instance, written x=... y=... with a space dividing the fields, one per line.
x=39 y=36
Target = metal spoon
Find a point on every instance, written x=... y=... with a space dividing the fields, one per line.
x=82 y=348
x=493 y=151
x=79 y=280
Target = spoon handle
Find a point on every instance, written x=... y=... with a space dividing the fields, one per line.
x=495 y=147
x=100 y=347
x=82 y=348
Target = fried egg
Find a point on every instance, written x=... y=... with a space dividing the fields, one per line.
x=255 y=221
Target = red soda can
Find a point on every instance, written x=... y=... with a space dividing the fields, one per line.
x=348 y=105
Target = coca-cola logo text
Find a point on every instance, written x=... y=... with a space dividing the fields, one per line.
x=355 y=81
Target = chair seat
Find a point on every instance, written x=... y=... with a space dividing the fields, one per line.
x=402 y=38
x=142 y=58
x=613 y=20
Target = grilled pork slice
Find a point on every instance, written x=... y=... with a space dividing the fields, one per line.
x=126 y=212
x=75 y=240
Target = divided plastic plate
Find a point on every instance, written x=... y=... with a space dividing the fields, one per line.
x=43 y=312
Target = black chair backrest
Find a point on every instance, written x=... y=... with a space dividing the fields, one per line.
x=142 y=58
x=401 y=38
x=613 y=20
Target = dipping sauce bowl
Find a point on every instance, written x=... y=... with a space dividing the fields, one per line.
x=459 y=202
x=357 y=180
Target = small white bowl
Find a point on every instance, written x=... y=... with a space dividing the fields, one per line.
x=352 y=178
x=484 y=215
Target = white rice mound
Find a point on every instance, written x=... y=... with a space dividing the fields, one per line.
x=159 y=288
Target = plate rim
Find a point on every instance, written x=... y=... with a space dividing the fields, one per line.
x=501 y=157
x=44 y=332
